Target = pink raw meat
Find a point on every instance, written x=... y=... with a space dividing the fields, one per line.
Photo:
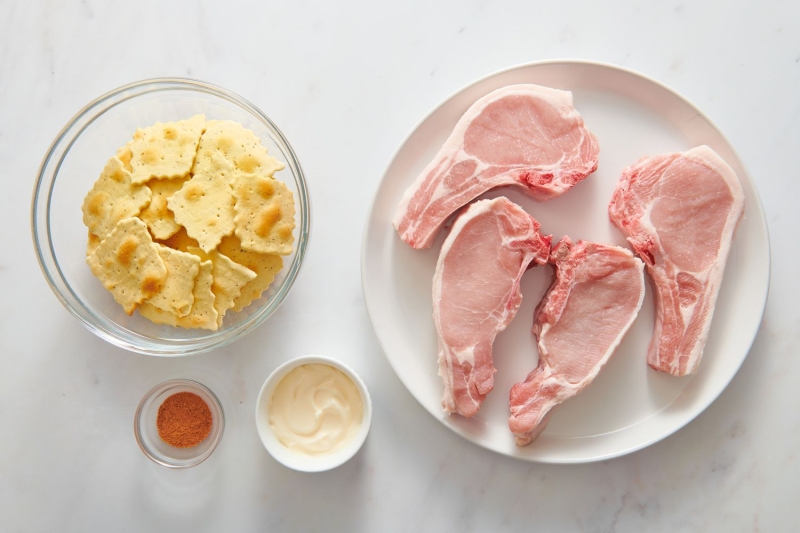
x=476 y=294
x=679 y=212
x=523 y=135
x=595 y=296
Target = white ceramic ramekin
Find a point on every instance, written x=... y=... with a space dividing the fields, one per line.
x=297 y=460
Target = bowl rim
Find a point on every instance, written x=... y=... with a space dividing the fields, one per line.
x=307 y=463
x=106 y=328
x=163 y=387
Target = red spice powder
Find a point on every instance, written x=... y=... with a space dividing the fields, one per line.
x=184 y=420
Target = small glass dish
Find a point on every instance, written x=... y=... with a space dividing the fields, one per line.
x=146 y=431
x=73 y=163
x=296 y=460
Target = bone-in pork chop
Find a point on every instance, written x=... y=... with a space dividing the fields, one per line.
x=595 y=296
x=523 y=135
x=679 y=212
x=476 y=294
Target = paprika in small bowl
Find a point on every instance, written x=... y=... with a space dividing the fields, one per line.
x=179 y=423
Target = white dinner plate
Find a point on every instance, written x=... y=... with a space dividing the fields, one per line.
x=629 y=406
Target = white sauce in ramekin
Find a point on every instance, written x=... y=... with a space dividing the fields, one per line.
x=315 y=409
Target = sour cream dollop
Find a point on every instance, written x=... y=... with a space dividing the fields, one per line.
x=315 y=409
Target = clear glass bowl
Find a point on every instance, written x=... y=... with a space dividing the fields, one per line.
x=74 y=162
x=146 y=431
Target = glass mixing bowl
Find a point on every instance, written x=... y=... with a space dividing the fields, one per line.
x=74 y=162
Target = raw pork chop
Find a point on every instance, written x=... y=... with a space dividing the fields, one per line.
x=476 y=294
x=679 y=211
x=523 y=135
x=595 y=296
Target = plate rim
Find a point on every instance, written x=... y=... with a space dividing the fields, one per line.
x=756 y=211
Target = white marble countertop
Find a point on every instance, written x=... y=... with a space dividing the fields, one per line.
x=346 y=83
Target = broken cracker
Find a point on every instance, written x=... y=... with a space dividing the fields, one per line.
x=92 y=244
x=157 y=215
x=124 y=154
x=266 y=267
x=229 y=278
x=204 y=205
x=202 y=315
x=264 y=214
x=166 y=150
x=128 y=264
x=113 y=198
x=175 y=295
x=180 y=241
x=239 y=146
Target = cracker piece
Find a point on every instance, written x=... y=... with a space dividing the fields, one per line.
x=156 y=215
x=203 y=315
x=128 y=264
x=241 y=147
x=204 y=205
x=176 y=295
x=264 y=214
x=165 y=150
x=229 y=278
x=113 y=198
x=180 y=241
x=266 y=267
x=94 y=242
x=124 y=154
